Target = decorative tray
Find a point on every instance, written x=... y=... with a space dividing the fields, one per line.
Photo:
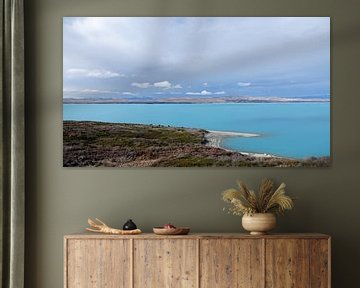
x=171 y=231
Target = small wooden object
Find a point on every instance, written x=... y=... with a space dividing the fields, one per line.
x=171 y=231
x=101 y=227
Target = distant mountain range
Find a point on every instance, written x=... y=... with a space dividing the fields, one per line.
x=193 y=100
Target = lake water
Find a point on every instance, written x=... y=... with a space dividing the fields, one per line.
x=296 y=130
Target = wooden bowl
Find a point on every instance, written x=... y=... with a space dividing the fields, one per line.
x=171 y=231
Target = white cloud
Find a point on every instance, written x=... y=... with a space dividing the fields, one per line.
x=141 y=85
x=76 y=93
x=89 y=91
x=129 y=93
x=166 y=85
x=205 y=83
x=205 y=92
x=92 y=73
x=94 y=91
x=244 y=84
x=163 y=85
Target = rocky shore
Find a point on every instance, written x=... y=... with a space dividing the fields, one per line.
x=97 y=144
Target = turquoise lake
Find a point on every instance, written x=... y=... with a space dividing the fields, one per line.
x=296 y=130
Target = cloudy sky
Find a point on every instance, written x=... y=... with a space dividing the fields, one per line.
x=181 y=56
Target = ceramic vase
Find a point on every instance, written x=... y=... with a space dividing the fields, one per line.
x=259 y=223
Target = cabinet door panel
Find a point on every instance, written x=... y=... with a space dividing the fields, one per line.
x=287 y=263
x=98 y=264
x=319 y=263
x=231 y=263
x=165 y=263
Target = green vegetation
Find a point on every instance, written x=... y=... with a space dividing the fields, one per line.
x=135 y=145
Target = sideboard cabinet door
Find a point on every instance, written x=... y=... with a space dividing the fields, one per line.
x=165 y=263
x=297 y=263
x=98 y=263
x=287 y=263
x=320 y=263
x=231 y=263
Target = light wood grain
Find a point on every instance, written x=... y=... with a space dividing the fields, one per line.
x=165 y=263
x=287 y=263
x=319 y=263
x=66 y=262
x=204 y=260
x=231 y=263
x=98 y=264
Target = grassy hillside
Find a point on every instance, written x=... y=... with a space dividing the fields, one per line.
x=135 y=145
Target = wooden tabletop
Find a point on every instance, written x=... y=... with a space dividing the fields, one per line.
x=89 y=235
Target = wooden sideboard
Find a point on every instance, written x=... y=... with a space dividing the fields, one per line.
x=197 y=260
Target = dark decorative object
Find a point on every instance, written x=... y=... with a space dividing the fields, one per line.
x=129 y=225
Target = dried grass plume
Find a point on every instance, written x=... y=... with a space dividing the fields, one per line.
x=267 y=200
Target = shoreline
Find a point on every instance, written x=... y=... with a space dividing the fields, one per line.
x=215 y=138
x=102 y=144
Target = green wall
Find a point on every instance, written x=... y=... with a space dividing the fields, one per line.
x=59 y=200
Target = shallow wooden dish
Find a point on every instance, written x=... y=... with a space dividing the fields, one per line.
x=171 y=231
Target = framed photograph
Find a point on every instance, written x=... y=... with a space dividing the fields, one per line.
x=196 y=91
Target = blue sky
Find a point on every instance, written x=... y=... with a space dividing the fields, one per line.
x=121 y=57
